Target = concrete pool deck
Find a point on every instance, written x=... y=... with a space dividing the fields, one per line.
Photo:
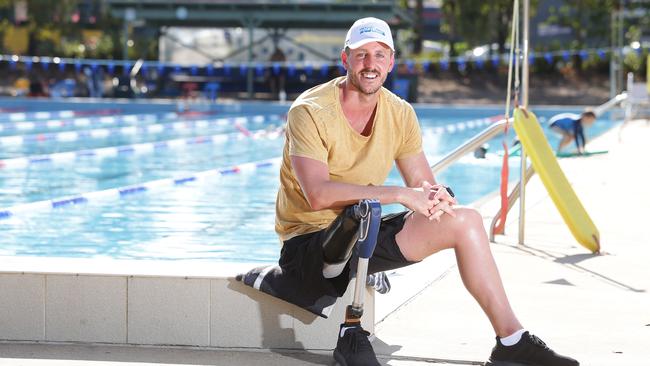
x=592 y=307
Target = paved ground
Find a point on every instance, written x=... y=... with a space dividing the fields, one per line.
x=595 y=308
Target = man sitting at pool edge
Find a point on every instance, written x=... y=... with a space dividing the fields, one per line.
x=342 y=138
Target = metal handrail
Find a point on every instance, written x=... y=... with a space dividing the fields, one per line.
x=610 y=103
x=132 y=76
x=512 y=197
x=471 y=144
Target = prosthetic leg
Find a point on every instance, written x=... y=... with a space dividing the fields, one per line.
x=357 y=225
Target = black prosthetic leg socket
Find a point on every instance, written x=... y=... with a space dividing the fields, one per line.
x=341 y=236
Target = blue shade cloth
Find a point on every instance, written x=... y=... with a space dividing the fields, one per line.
x=462 y=65
x=495 y=61
x=566 y=55
x=259 y=70
x=548 y=57
x=324 y=70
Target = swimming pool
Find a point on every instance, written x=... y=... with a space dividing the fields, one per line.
x=147 y=182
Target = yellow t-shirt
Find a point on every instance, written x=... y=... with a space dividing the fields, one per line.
x=318 y=129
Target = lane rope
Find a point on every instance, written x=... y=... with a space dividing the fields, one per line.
x=127 y=191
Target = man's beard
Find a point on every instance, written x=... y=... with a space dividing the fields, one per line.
x=355 y=80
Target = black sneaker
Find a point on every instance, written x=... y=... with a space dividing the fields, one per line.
x=353 y=347
x=529 y=351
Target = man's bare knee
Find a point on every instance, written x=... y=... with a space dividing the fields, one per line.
x=466 y=218
x=467 y=225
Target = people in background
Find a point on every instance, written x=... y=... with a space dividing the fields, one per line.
x=481 y=151
x=571 y=127
x=36 y=88
x=277 y=79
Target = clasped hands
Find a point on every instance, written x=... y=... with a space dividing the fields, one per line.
x=435 y=201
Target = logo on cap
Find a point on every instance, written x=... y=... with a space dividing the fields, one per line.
x=363 y=30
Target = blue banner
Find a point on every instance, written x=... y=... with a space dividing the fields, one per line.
x=548 y=57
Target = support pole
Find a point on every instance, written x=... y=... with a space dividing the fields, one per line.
x=524 y=99
x=621 y=43
x=613 y=56
x=369 y=213
x=250 y=24
x=249 y=76
x=129 y=17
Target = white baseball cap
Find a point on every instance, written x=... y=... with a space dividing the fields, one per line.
x=366 y=30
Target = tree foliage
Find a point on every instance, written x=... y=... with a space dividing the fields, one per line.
x=60 y=27
x=478 y=22
x=585 y=18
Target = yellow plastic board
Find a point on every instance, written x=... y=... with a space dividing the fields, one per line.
x=559 y=189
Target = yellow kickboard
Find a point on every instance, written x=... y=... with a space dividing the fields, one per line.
x=545 y=163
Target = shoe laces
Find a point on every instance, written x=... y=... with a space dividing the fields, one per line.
x=358 y=340
x=536 y=341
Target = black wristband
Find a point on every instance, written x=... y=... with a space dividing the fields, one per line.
x=451 y=193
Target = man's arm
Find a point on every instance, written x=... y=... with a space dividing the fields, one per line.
x=579 y=137
x=415 y=170
x=322 y=193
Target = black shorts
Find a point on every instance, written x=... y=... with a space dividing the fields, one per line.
x=302 y=257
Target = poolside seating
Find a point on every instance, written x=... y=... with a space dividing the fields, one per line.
x=164 y=304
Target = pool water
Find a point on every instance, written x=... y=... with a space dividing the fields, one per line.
x=223 y=217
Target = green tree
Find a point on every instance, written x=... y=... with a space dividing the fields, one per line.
x=588 y=20
x=479 y=22
x=56 y=27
